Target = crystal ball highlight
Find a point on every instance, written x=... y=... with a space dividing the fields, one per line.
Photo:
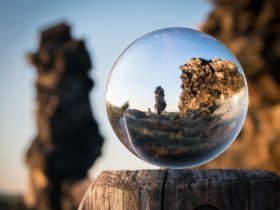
x=177 y=98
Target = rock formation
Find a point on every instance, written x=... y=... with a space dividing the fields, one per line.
x=160 y=104
x=68 y=141
x=251 y=29
x=205 y=82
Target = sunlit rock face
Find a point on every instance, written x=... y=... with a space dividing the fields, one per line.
x=198 y=91
x=250 y=29
x=205 y=82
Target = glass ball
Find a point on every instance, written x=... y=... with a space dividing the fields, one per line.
x=177 y=98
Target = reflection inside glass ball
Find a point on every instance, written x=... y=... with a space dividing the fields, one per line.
x=177 y=98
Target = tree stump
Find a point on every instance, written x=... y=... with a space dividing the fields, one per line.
x=184 y=189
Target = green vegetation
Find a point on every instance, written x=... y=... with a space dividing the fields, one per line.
x=125 y=106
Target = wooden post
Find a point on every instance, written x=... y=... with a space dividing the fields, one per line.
x=184 y=190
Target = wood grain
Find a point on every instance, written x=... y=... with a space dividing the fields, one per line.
x=184 y=189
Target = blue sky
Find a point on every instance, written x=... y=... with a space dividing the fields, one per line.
x=153 y=60
x=108 y=27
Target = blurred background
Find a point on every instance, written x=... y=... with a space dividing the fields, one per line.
x=38 y=41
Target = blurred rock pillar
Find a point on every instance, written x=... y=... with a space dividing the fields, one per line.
x=68 y=140
x=251 y=29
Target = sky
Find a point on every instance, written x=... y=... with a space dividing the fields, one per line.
x=154 y=60
x=107 y=27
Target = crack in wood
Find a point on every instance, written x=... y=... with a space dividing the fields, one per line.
x=163 y=190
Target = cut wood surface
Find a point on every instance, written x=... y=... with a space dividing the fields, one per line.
x=184 y=189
